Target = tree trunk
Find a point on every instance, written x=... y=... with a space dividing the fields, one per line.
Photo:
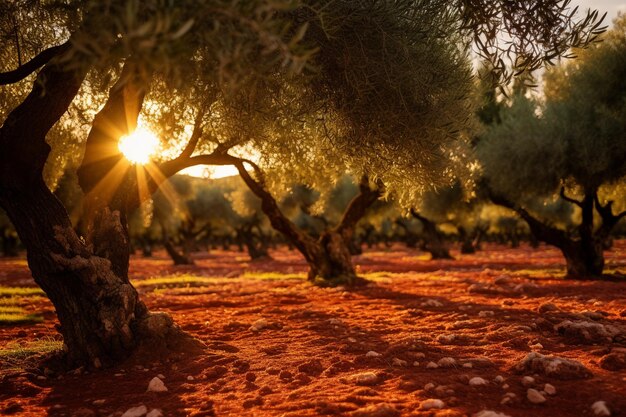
x=434 y=242
x=328 y=257
x=467 y=243
x=101 y=317
x=177 y=257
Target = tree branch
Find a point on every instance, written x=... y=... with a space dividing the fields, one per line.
x=358 y=206
x=195 y=135
x=569 y=199
x=542 y=231
x=31 y=66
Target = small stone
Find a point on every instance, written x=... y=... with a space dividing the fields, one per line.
x=468 y=365
x=486 y=313
x=136 y=411
x=285 y=375
x=429 y=386
x=161 y=376
x=99 y=402
x=535 y=396
x=372 y=354
x=599 y=408
x=553 y=366
x=536 y=346
x=546 y=307
x=190 y=378
x=156 y=385
x=416 y=363
x=477 y=381
x=351 y=340
x=155 y=413
x=432 y=404
x=41 y=378
x=259 y=325
x=365 y=378
x=549 y=389
x=499 y=379
x=376 y=410
x=398 y=362
x=446 y=362
x=528 y=381
x=505 y=386
x=432 y=365
x=489 y=413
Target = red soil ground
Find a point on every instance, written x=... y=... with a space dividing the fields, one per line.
x=480 y=309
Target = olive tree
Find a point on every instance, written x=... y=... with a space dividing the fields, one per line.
x=107 y=59
x=572 y=147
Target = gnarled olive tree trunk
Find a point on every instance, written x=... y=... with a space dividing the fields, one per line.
x=329 y=258
x=584 y=252
x=101 y=317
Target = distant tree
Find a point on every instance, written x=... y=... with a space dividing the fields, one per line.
x=572 y=148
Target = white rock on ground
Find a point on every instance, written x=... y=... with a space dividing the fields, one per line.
x=549 y=389
x=599 y=408
x=156 y=385
x=429 y=386
x=489 y=413
x=535 y=396
x=477 y=381
x=372 y=354
x=365 y=378
x=527 y=381
x=432 y=404
x=446 y=362
x=259 y=325
x=136 y=411
x=499 y=379
x=155 y=413
x=468 y=365
x=432 y=365
x=553 y=366
x=486 y=313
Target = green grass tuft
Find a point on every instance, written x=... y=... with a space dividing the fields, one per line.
x=19 y=318
x=20 y=291
x=16 y=356
x=271 y=276
x=175 y=281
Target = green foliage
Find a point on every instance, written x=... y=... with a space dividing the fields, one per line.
x=16 y=356
x=575 y=138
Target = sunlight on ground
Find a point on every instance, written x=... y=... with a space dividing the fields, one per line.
x=20 y=355
x=139 y=146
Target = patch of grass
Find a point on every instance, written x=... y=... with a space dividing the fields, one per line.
x=17 y=356
x=176 y=281
x=271 y=276
x=19 y=318
x=20 y=291
x=12 y=309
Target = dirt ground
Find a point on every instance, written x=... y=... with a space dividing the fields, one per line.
x=421 y=330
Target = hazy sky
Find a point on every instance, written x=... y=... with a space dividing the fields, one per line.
x=612 y=7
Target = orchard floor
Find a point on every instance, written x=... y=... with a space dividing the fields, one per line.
x=276 y=346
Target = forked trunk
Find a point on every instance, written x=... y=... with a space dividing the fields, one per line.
x=329 y=256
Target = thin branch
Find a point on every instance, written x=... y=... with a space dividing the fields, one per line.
x=31 y=66
x=570 y=199
x=195 y=135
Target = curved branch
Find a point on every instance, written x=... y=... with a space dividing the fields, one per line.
x=358 y=206
x=570 y=199
x=23 y=71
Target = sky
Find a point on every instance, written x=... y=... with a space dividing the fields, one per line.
x=612 y=7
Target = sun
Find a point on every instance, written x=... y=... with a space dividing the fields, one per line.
x=139 y=146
